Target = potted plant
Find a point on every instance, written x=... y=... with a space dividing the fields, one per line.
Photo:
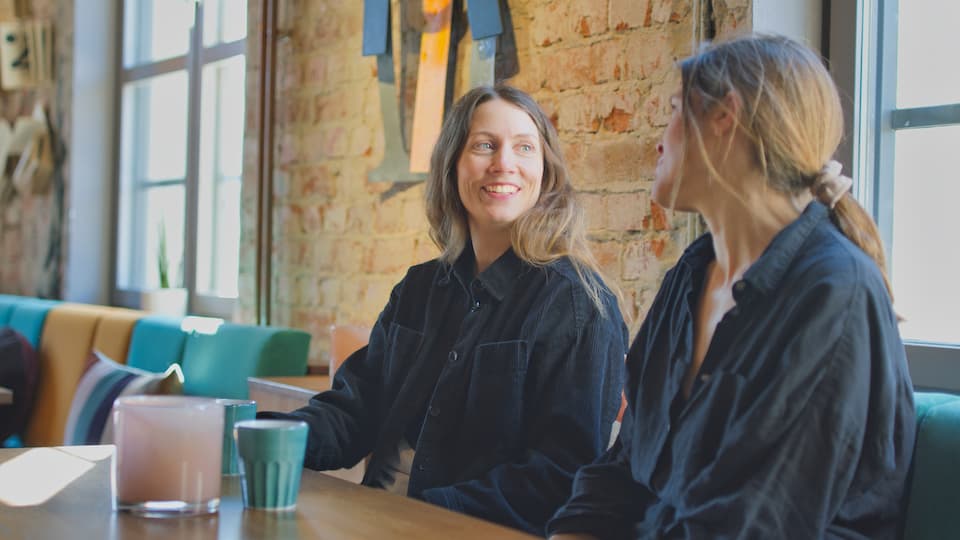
x=165 y=300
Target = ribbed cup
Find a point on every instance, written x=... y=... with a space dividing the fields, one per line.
x=234 y=410
x=271 y=461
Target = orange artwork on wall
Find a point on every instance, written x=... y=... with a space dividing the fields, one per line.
x=431 y=82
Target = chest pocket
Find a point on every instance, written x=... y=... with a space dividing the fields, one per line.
x=402 y=345
x=494 y=404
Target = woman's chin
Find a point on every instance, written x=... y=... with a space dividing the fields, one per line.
x=662 y=195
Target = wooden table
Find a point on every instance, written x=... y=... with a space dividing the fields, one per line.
x=6 y=396
x=64 y=492
x=285 y=393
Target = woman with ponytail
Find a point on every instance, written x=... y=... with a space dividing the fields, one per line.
x=768 y=393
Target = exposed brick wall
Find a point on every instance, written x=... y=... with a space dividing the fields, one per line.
x=30 y=223
x=602 y=69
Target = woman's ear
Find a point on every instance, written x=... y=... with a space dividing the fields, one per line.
x=723 y=115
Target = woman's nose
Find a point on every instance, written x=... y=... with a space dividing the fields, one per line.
x=504 y=160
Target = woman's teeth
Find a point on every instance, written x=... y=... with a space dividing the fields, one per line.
x=501 y=189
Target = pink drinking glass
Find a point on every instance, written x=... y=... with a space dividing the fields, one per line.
x=169 y=452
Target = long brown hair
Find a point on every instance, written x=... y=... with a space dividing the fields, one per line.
x=791 y=112
x=552 y=229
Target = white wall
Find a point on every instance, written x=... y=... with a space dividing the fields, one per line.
x=798 y=19
x=91 y=159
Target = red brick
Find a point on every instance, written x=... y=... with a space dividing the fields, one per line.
x=350 y=256
x=315 y=181
x=288 y=149
x=595 y=210
x=611 y=161
x=625 y=211
x=424 y=250
x=312 y=219
x=321 y=253
x=646 y=53
x=591 y=17
x=335 y=219
x=360 y=141
x=625 y=14
x=360 y=218
x=547 y=26
x=578 y=112
x=391 y=255
x=389 y=216
x=641 y=261
x=608 y=255
x=577 y=67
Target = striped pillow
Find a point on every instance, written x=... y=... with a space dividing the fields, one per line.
x=104 y=381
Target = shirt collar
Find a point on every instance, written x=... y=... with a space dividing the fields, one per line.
x=496 y=279
x=764 y=274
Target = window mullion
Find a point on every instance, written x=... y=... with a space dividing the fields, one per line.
x=919 y=117
x=153 y=69
x=883 y=162
x=194 y=85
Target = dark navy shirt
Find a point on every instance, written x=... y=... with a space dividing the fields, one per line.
x=504 y=383
x=800 y=423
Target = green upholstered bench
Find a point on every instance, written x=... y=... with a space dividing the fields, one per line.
x=216 y=359
x=219 y=363
x=933 y=499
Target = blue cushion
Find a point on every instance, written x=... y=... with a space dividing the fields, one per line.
x=7 y=303
x=933 y=507
x=156 y=343
x=28 y=317
x=218 y=364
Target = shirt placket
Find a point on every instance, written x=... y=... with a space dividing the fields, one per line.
x=441 y=411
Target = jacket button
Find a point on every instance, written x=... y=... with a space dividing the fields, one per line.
x=421 y=467
x=452 y=356
x=434 y=411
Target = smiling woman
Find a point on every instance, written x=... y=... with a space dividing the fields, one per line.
x=495 y=370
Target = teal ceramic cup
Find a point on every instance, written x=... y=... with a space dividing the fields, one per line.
x=271 y=460
x=234 y=410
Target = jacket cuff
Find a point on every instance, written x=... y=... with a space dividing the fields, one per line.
x=600 y=526
x=443 y=496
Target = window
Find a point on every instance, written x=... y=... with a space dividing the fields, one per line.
x=906 y=160
x=182 y=77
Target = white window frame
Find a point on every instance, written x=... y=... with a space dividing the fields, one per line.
x=197 y=57
x=863 y=59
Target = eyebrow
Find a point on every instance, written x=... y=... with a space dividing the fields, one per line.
x=494 y=135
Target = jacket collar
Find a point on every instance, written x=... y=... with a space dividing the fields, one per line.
x=497 y=279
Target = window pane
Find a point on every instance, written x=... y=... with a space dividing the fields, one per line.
x=926 y=188
x=156 y=30
x=157 y=211
x=926 y=30
x=221 y=160
x=152 y=171
x=161 y=112
x=224 y=21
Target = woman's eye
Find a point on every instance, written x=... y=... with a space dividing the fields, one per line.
x=526 y=148
x=483 y=146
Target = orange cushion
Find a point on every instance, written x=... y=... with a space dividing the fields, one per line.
x=69 y=334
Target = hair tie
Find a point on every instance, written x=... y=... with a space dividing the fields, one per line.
x=830 y=186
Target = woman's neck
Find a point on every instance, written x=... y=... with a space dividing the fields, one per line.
x=488 y=248
x=743 y=226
